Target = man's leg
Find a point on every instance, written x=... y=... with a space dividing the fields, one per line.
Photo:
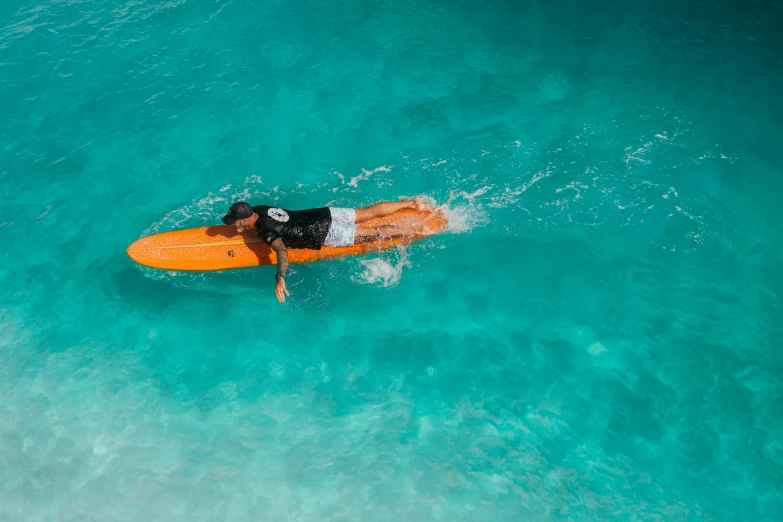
x=386 y=208
x=367 y=234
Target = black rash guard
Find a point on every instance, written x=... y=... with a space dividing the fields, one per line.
x=297 y=228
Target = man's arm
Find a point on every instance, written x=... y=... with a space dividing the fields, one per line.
x=282 y=265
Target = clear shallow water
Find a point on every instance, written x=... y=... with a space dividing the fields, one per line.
x=597 y=339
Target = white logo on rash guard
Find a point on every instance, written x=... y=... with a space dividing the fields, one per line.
x=278 y=214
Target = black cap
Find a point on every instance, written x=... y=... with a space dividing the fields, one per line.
x=238 y=211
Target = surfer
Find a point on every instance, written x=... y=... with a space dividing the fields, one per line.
x=313 y=228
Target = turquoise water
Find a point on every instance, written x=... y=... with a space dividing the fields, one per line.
x=598 y=336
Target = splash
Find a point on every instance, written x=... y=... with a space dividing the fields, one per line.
x=379 y=271
x=465 y=211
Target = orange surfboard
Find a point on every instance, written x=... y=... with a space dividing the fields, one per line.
x=222 y=247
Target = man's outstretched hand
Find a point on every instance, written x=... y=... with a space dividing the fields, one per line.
x=280 y=290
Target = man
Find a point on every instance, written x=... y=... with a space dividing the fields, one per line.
x=335 y=227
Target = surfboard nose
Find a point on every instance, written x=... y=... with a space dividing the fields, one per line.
x=141 y=251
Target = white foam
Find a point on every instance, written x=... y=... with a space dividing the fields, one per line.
x=354 y=181
x=576 y=186
x=208 y=209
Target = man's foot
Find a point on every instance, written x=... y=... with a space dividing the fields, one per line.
x=419 y=205
x=423 y=229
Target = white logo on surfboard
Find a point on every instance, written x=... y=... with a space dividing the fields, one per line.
x=278 y=214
